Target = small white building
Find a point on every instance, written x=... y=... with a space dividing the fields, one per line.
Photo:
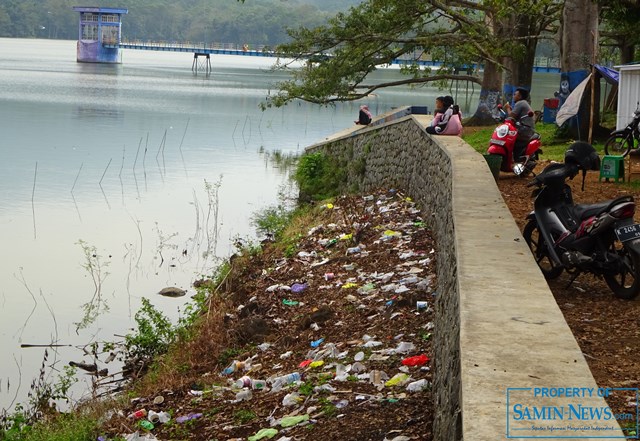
x=628 y=93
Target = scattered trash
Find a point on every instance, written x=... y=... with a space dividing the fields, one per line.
x=418 y=385
x=147 y=425
x=244 y=381
x=298 y=287
x=399 y=379
x=291 y=399
x=158 y=417
x=291 y=421
x=417 y=360
x=189 y=417
x=137 y=437
x=244 y=395
x=138 y=414
x=279 y=382
x=316 y=343
x=386 y=263
x=422 y=305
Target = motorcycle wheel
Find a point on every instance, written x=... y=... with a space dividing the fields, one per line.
x=538 y=248
x=618 y=145
x=626 y=284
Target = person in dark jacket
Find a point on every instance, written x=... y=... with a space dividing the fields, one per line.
x=520 y=113
x=364 y=117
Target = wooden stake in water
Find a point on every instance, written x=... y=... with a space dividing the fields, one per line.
x=33 y=207
x=183 y=135
x=77 y=176
x=105 y=172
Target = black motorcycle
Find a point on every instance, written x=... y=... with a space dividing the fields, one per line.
x=599 y=238
x=621 y=142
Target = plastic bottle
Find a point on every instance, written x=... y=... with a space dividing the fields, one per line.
x=245 y=394
x=284 y=380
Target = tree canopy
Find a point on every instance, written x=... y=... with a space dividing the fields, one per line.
x=463 y=35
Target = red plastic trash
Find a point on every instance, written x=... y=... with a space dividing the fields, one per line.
x=417 y=360
x=551 y=103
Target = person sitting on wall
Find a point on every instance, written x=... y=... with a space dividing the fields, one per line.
x=365 y=116
x=447 y=118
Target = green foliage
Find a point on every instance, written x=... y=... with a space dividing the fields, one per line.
x=259 y=22
x=66 y=427
x=154 y=334
x=319 y=177
x=243 y=416
x=306 y=388
x=271 y=221
x=328 y=408
x=96 y=269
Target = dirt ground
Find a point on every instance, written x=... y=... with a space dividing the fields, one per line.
x=606 y=328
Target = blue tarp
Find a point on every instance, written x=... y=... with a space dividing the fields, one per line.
x=610 y=75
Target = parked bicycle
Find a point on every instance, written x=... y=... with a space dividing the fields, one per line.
x=621 y=142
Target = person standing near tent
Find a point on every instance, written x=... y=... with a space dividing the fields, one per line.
x=521 y=114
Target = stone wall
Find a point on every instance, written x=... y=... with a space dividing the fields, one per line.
x=498 y=327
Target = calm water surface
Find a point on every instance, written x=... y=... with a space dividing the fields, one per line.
x=111 y=176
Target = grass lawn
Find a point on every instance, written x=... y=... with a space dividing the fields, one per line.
x=553 y=143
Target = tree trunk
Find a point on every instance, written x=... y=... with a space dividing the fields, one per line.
x=577 y=49
x=490 y=92
x=487 y=110
x=627 y=53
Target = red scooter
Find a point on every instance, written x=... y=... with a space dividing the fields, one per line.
x=503 y=141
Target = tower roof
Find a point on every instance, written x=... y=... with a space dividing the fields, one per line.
x=98 y=9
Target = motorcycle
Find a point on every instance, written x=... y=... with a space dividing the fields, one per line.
x=621 y=142
x=503 y=141
x=601 y=238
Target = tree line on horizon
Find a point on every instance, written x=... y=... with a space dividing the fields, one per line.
x=262 y=22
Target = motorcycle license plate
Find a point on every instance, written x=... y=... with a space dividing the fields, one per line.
x=628 y=232
x=498 y=141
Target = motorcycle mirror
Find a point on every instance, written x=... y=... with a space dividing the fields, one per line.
x=518 y=169
x=530 y=113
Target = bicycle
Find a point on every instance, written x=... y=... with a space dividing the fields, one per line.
x=621 y=142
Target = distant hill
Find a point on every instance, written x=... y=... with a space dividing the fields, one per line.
x=227 y=21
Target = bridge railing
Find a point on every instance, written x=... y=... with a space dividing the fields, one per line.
x=198 y=45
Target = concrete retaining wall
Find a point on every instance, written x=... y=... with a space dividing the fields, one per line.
x=498 y=325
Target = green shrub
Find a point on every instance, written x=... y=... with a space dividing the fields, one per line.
x=319 y=176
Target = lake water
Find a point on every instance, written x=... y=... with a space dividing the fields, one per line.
x=111 y=178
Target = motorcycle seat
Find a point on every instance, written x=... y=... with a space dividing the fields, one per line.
x=585 y=211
